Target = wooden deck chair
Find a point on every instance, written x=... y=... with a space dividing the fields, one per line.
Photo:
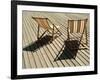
x=78 y=27
x=48 y=26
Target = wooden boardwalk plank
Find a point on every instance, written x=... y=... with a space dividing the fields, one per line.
x=25 y=54
x=51 y=52
x=56 y=17
x=44 y=53
x=31 y=57
x=44 y=64
x=51 y=18
x=45 y=56
x=37 y=59
x=61 y=28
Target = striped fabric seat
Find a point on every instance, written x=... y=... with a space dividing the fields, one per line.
x=77 y=27
x=47 y=25
x=42 y=22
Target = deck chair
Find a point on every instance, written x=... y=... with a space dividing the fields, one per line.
x=48 y=26
x=75 y=30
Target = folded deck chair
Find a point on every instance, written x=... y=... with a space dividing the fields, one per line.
x=48 y=26
x=76 y=30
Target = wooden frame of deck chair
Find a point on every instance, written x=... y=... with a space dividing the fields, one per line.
x=78 y=26
x=49 y=27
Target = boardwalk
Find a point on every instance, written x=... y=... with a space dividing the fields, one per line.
x=55 y=54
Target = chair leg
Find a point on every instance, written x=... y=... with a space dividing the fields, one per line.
x=57 y=30
x=68 y=36
x=83 y=46
x=42 y=34
x=53 y=33
x=39 y=37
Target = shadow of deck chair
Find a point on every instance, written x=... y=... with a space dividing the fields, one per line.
x=75 y=30
x=48 y=26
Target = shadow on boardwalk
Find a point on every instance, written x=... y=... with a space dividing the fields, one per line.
x=39 y=43
x=68 y=51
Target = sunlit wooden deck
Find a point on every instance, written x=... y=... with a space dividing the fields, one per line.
x=44 y=54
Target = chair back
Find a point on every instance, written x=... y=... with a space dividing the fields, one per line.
x=77 y=26
x=42 y=22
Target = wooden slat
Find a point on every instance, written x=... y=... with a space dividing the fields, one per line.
x=83 y=57
x=69 y=62
x=68 y=54
x=25 y=54
x=81 y=62
x=37 y=58
x=49 y=64
x=54 y=49
x=58 y=62
x=44 y=56
x=63 y=31
x=27 y=36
